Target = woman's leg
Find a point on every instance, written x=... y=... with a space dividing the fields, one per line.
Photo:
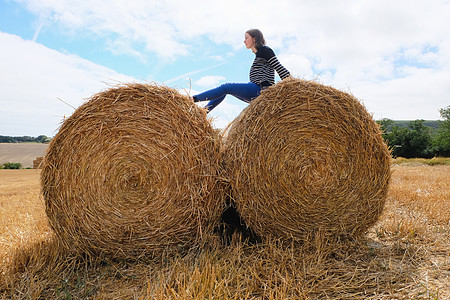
x=243 y=91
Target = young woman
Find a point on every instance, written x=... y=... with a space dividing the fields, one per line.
x=262 y=74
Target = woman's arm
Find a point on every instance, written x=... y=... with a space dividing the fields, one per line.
x=282 y=71
x=269 y=55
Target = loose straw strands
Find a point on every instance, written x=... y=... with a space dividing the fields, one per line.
x=133 y=172
x=304 y=157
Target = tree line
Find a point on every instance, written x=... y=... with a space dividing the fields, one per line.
x=417 y=140
x=24 y=139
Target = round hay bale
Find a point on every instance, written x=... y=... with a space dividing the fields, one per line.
x=305 y=158
x=133 y=172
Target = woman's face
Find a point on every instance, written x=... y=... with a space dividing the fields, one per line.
x=249 y=41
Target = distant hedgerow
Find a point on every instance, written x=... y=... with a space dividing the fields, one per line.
x=9 y=165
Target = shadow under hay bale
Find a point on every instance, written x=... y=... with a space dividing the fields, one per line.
x=231 y=224
x=133 y=172
x=304 y=158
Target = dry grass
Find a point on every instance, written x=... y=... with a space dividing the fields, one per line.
x=422 y=161
x=22 y=214
x=404 y=256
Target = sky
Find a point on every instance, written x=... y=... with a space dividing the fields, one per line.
x=393 y=55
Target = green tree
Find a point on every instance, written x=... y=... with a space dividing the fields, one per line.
x=9 y=165
x=410 y=142
x=385 y=125
x=441 y=140
x=41 y=138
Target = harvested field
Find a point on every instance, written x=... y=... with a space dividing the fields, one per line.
x=404 y=256
x=23 y=153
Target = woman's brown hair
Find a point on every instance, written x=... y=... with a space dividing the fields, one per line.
x=258 y=36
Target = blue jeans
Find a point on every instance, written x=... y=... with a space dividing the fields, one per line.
x=243 y=91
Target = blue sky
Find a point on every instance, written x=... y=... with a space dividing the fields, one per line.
x=392 y=55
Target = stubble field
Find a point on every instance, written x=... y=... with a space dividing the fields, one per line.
x=405 y=256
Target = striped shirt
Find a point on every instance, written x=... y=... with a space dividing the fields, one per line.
x=262 y=71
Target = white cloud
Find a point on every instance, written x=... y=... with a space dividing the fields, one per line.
x=186 y=76
x=421 y=93
x=226 y=112
x=209 y=81
x=395 y=55
x=333 y=32
x=33 y=77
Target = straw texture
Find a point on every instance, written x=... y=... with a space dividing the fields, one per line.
x=304 y=157
x=37 y=163
x=133 y=172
